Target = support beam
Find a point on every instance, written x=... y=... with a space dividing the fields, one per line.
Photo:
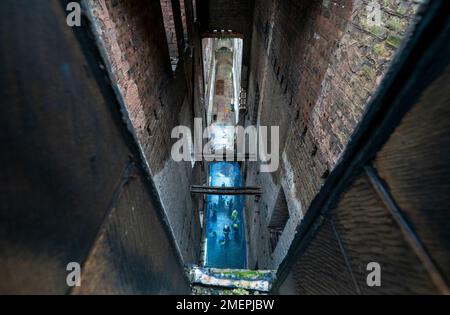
x=214 y=190
x=229 y=157
x=220 y=34
x=408 y=231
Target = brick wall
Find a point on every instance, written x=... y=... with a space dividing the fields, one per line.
x=133 y=35
x=184 y=19
x=316 y=64
x=169 y=25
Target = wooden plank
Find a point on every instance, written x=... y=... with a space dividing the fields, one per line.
x=231 y=157
x=369 y=233
x=408 y=231
x=220 y=34
x=132 y=253
x=215 y=190
x=322 y=268
x=63 y=153
x=415 y=165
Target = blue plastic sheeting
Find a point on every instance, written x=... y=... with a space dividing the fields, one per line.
x=225 y=232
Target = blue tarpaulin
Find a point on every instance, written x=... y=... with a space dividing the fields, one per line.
x=225 y=232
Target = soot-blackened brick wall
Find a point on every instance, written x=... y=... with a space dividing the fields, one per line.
x=314 y=66
x=133 y=36
x=169 y=24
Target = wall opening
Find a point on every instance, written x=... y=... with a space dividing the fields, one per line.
x=183 y=21
x=222 y=66
x=279 y=219
x=194 y=10
x=220 y=86
x=256 y=106
x=171 y=35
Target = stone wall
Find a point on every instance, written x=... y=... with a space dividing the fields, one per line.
x=169 y=25
x=314 y=67
x=156 y=97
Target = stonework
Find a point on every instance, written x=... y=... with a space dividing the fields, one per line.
x=133 y=35
x=316 y=64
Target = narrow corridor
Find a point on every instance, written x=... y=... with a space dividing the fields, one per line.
x=225 y=231
x=92 y=186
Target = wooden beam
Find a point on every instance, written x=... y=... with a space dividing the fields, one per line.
x=220 y=34
x=214 y=190
x=230 y=157
x=408 y=231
